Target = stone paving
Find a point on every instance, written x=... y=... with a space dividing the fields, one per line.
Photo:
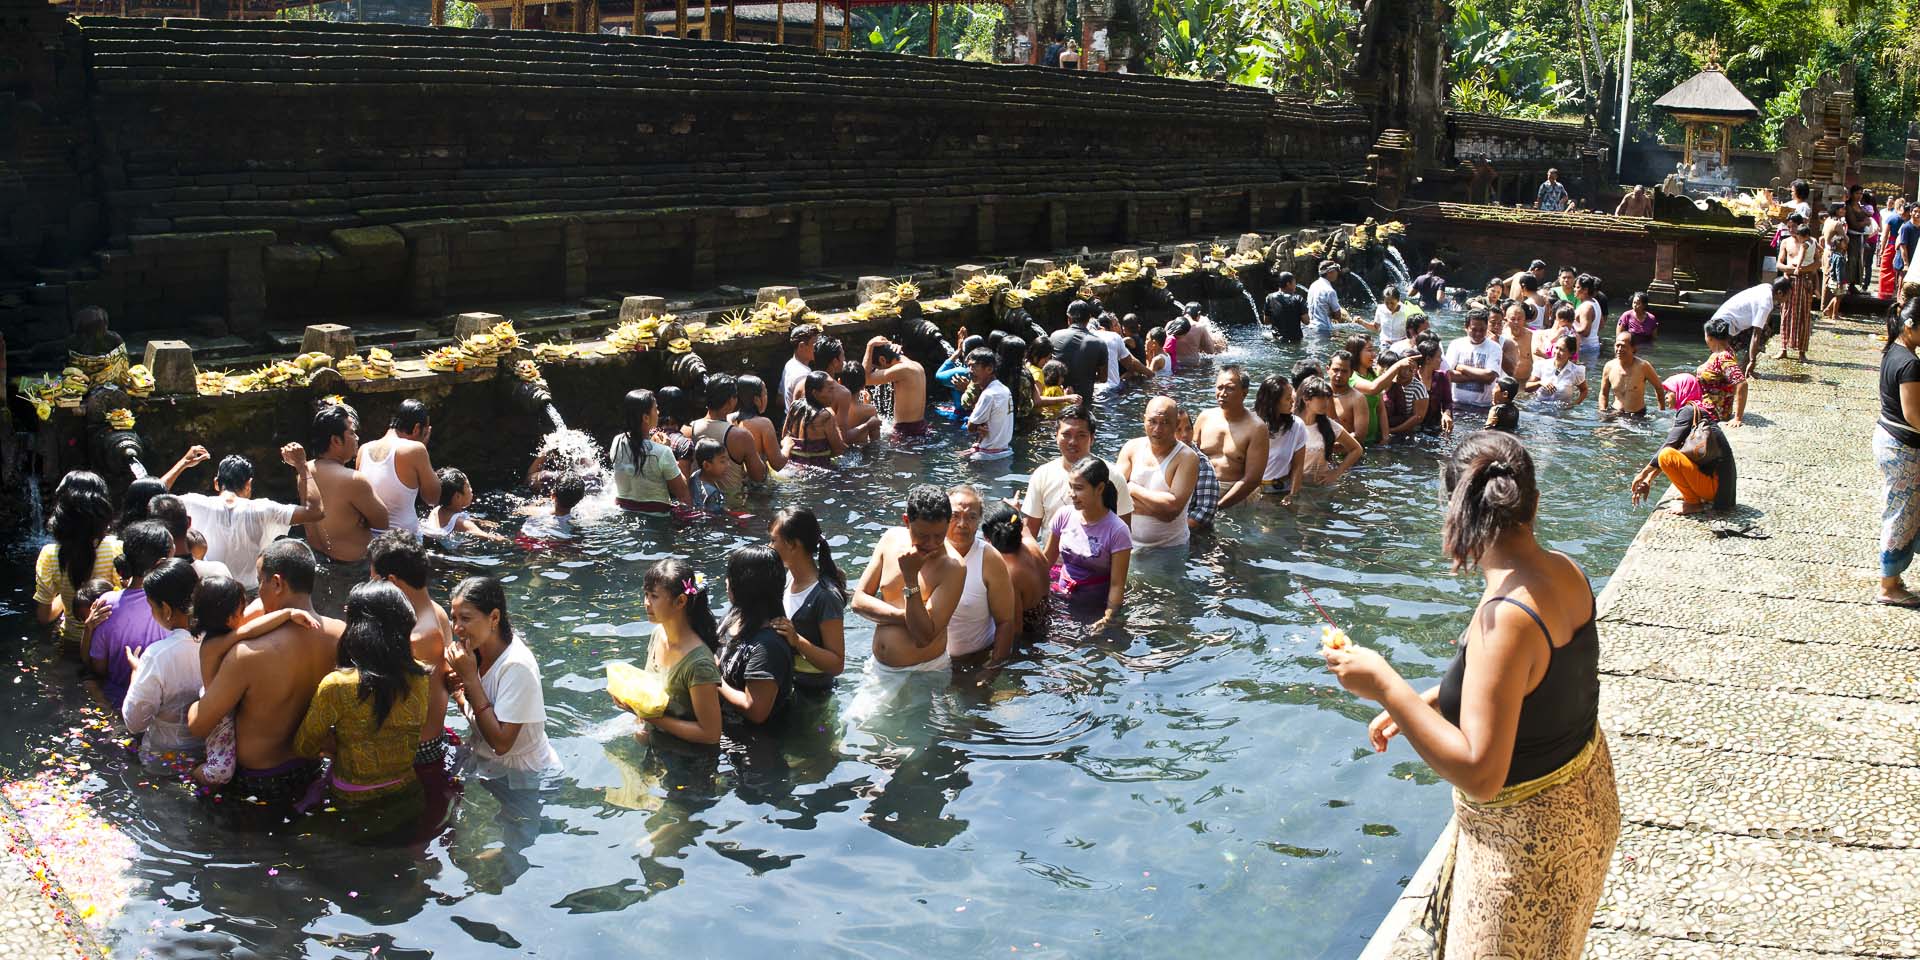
x=1764 y=713
x=35 y=919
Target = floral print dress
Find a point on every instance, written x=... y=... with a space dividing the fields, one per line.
x=1720 y=377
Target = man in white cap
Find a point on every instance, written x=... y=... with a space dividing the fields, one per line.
x=1323 y=302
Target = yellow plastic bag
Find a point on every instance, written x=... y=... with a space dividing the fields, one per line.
x=642 y=690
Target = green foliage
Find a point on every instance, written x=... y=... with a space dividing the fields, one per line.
x=460 y=13
x=965 y=31
x=1288 y=46
x=1500 y=70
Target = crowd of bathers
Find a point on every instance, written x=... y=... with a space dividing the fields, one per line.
x=227 y=644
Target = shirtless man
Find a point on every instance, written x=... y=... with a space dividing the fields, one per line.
x=1637 y=203
x=1232 y=438
x=1516 y=345
x=1624 y=382
x=398 y=558
x=912 y=585
x=1539 y=270
x=1161 y=495
x=988 y=614
x=398 y=466
x=888 y=364
x=1349 y=405
x=830 y=356
x=354 y=510
x=266 y=683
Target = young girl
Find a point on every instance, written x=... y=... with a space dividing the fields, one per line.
x=709 y=469
x=814 y=601
x=1325 y=436
x=219 y=622
x=1087 y=545
x=812 y=436
x=682 y=650
x=646 y=477
x=1638 y=322
x=500 y=690
x=1505 y=413
x=756 y=665
x=991 y=422
x=450 y=519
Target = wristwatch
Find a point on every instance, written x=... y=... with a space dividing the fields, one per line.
x=909 y=591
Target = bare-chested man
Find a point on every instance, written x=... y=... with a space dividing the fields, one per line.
x=829 y=355
x=354 y=510
x=1233 y=438
x=1516 y=345
x=399 y=558
x=1637 y=203
x=398 y=467
x=1539 y=270
x=1623 y=385
x=887 y=363
x=1160 y=473
x=266 y=683
x=911 y=587
x=1349 y=405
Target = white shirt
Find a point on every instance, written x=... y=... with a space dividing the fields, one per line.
x=236 y=532
x=1280 y=450
x=993 y=408
x=512 y=686
x=1465 y=353
x=1748 y=308
x=1393 y=323
x=1050 y=490
x=165 y=685
x=791 y=375
x=1322 y=301
x=1562 y=384
x=1116 y=348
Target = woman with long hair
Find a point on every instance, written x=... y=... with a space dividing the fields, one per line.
x=1896 y=450
x=1324 y=436
x=756 y=665
x=681 y=651
x=1286 y=438
x=1088 y=547
x=812 y=435
x=500 y=690
x=368 y=713
x=672 y=404
x=135 y=501
x=81 y=551
x=1513 y=723
x=646 y=476
x=751 y=416
x=1027 y=567
x=815 y=600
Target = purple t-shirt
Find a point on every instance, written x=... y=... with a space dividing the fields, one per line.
x=1086 y=550
x=130 y=627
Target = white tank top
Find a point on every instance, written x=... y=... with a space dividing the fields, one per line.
x=396 y=496
x=1148 y=531
x=971 y=629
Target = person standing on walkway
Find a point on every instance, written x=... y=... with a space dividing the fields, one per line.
x=1552 y=195
x=1513 y=724
x=1896 y=449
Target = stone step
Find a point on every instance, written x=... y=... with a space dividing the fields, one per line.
x=1815 y=665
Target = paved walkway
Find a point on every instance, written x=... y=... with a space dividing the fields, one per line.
x=35 y=918
x=1764 y=714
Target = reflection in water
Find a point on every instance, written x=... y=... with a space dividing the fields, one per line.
x=1099 y=796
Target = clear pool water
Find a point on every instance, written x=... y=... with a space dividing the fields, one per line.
x=1192 y=784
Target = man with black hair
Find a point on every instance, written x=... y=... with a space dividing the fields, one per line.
x=172 y=511
x=1232 y=437
x=911 y=587
x=398 y=467
x=354 y=512
x=1083 y=354
x=1537 y=268
x=888 y=365
x=830 y=356
x=1049 y=488
x=398 y=557
x=1284 y=309
x=1748 y=312
x=130 y=628
x=1431 y=287
x=556 y=522
x=802 y=338
x=267 y=682
x=237 y=526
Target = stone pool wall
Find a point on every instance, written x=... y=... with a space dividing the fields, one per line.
x=257 y=174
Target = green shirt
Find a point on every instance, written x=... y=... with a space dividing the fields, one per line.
x=694 y=668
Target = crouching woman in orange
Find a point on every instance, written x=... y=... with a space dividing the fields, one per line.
x=1513 y=724
x=1696 y=457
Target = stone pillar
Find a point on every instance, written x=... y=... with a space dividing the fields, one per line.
x=573 y=243
x=1056 y=224
x=1119 y=257
x=985 y=226
x=640 y=308
x=776 y=294
x=428 y=263
x=809 y=249
x=246 y=288
x=702 y=264
x=1665 y=252
x=902 y=233
x=1033 y=269
x=171 y=362
x=866 y=287
x=333 y=339
x=1250 y=243
x=468 y=324
x=1306 y=206
x=963 y=273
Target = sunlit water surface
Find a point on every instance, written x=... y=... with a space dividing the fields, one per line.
x=1192 y=784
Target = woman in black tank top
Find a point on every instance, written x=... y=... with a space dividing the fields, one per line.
x=1513 y=724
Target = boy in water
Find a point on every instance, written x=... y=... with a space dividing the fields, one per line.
x=556 y=523
x=1504 y=414
x=1623 y=384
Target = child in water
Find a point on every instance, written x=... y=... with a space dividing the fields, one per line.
x=708 y=470
x=556 y=521
x=219 y=622
x=1504 y=414
x=450 y=519
x=1157 y=359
